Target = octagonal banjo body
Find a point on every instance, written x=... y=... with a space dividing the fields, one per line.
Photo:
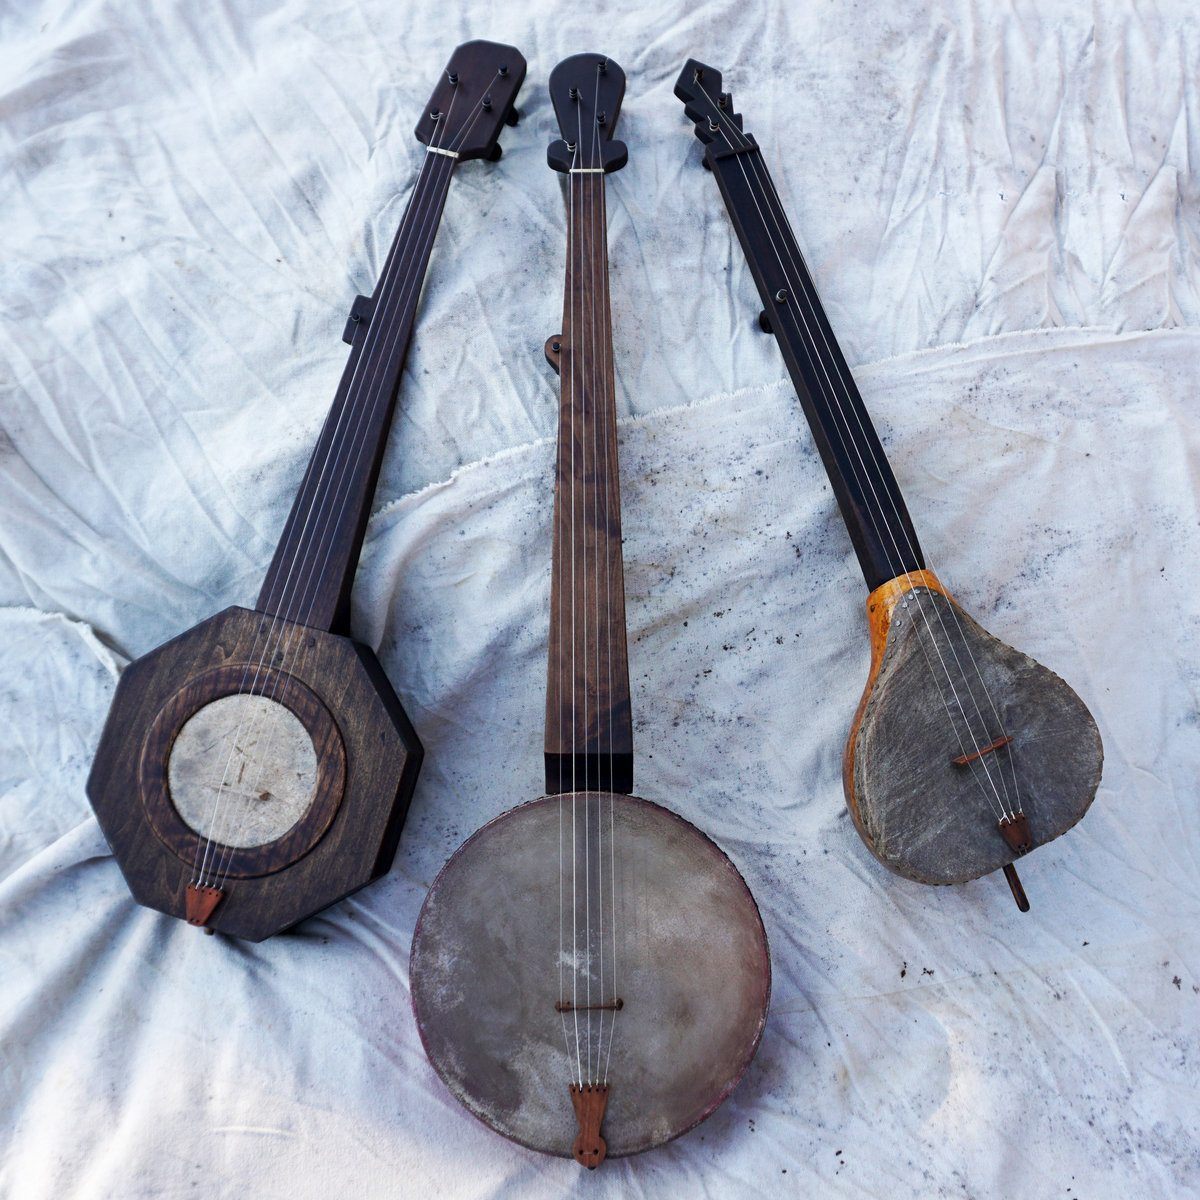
x=964 y=754
x=589 y=971
x=258 y=768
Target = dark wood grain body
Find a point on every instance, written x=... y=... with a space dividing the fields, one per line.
x=921 y=814
x=382 y=756
x=589 y=732
x=862 y=480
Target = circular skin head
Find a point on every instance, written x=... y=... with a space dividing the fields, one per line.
x=521 y=942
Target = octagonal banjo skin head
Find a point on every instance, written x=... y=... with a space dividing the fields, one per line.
x=670 y=1008
x=367 y=751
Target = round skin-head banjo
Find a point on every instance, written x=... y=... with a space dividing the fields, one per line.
x=965 y=754
x=589 y=971
x=258 y=768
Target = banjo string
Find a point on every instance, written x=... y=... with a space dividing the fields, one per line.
x=416 y=249
x=598 y=247
x=297 y=574
x=575 y=249
x=424 y=219
x=586 y=397
x=611 y=504
x=829 y=390
x=769 y=187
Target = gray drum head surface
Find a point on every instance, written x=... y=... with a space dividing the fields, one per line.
x=930 y=819
x=692 y=971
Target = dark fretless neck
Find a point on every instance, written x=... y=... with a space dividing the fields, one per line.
x=589 y=736
x=310 y=577
x=862 y=480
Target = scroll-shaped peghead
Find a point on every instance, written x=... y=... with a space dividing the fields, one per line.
x=589 y=1101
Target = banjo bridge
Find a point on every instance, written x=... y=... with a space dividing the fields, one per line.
x=964 y=759
x=565 y=1006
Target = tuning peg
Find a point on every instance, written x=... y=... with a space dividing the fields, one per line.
x=514 y=115
x=764 y=322
x=493 y=155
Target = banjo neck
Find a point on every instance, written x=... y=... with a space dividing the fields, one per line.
x=589 y=736
x=863 y=484
x=310 y=576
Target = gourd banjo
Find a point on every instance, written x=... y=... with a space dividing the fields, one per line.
x=589 y=972
x=259 y=767
x=964 y=753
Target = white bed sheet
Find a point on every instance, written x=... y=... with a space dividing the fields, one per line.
x=1000 y=211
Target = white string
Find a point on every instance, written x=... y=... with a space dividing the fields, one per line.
x=408 y=255
x=587 y=394
x=297 y=575
x=572 y=234
x=831 y=392
x=588 y=347
x=610 y=436
x=411 y=264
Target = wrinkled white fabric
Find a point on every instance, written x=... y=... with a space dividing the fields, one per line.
x=999 y=206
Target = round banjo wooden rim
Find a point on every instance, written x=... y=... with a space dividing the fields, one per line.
x=230 y=679
x=752 y=1047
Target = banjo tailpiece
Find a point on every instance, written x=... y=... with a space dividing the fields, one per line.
x=589 y=1101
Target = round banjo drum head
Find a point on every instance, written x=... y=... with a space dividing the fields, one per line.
x=665 y=991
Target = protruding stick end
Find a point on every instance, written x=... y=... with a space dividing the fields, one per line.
x=1014 y=882
x=589 y=1101
x=201 y=902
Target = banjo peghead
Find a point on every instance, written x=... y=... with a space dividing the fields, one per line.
x=589 y=1101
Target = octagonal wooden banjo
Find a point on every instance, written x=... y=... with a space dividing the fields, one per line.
x=589 y=972
x=258 y=768
x=964 y=753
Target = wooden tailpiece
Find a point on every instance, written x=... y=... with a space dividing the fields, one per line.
x=589 y=1101
x=201 y=902
x=1015 y=831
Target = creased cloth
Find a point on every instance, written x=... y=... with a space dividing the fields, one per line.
x=1000 y=210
